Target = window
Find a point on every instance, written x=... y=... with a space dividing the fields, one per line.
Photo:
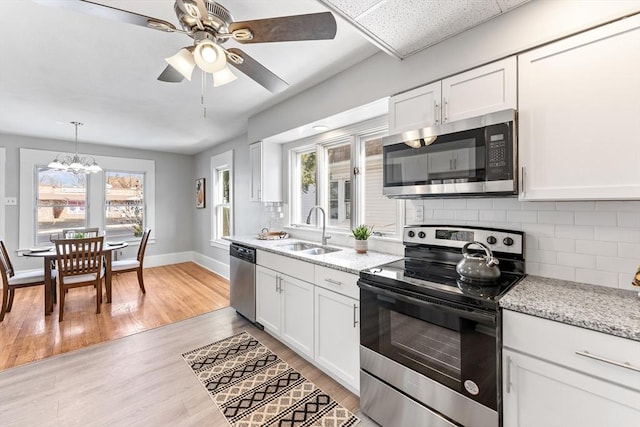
x=61 y=199
x=124 y=204
x=344 y=176
x=61 y=202
x=222 y=211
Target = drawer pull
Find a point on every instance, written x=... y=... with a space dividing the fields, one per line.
x=333 y=282
x=508 y=374
x=604 y=359
x=355 y=315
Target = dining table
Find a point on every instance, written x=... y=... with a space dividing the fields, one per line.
x=48 y=254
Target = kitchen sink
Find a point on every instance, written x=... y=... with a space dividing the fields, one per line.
x=308 y=248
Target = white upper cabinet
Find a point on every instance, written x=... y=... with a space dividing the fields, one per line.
x=579 y=116
x=482 y=90
x=266 y=172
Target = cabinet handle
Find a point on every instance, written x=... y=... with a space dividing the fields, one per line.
x=446 y=110
x=609 y=361
x=523 y=174
x=278 y=284
x=355 y=315
x=333 y=282
x=508 y=375
x=436 y=112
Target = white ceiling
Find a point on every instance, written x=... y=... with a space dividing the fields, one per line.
x=60 y=66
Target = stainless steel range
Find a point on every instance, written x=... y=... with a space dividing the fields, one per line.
x=430 y=341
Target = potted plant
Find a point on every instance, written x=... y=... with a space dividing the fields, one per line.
x=362 y=233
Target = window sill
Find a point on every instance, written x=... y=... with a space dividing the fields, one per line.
x=220 y=244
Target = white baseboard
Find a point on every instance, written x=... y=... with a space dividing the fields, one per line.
x=211 y=264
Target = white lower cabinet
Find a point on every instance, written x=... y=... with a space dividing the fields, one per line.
x=284 y=306
x=337 y=336
x=560 y=375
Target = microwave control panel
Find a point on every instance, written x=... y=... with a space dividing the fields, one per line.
x=499 y=152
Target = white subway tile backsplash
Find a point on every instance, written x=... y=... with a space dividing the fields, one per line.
x=557 y=272
x=616 y=264
x=556 y=244
x=615 y=234
x=575 y=231
x=604 y=219
x=492 y=216
x=629 y=250
x=455 y=204
x=555 y=217
x=522 y=216
x=595 y=247
x=576 y=260
x=624 y=281
x=532 y=268
x=544 y=257
x=617 y=206
x=507 y=203
x=467 y=215
x=629 y=219
x=575 y=206
x=540 y=230
x=444 y=214
x=538 y=206
x=479 y=203
x=433 y=203
x=595 y=277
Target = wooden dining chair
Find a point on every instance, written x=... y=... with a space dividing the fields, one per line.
x=127 y=265
x=79 y=263
x=12 y=280
x=71 y=233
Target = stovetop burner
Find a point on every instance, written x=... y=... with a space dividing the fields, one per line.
x=429 y=266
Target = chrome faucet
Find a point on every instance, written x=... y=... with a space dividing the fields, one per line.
x=324 y=223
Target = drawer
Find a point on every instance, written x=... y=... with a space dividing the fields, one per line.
x=286 y=265
x=574 y=347
x=338 y=281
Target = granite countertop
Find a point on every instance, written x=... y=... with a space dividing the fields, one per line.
x=612 y=311
x=347 y=259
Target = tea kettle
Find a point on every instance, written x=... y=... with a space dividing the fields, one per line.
x=478 y=267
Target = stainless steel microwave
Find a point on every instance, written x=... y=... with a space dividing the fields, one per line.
x=471 y=157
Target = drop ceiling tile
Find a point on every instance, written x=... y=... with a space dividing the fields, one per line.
x=410 y=26
x=353 y=8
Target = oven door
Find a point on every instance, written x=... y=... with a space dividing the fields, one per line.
x=452 y=345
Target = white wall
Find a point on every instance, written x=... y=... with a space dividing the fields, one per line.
x=595 y=242
x=174 y=202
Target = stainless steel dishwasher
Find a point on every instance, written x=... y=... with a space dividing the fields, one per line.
x=243 y=280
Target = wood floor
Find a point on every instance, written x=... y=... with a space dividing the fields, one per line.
x=139 y=379
x=174 y=292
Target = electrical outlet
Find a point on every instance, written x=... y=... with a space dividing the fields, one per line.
x=419 y=213
x=10 y=201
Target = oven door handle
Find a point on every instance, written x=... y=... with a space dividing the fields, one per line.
x=471 y=315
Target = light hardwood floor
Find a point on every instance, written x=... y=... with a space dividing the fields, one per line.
x=133 y=378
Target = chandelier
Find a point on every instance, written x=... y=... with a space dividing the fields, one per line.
x=75 y=163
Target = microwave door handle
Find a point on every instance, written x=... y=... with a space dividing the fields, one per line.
x=392 y=297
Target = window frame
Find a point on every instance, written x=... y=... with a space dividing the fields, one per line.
x=357 y=134
x=221 y=162
x=144 y=201
x=30 y=159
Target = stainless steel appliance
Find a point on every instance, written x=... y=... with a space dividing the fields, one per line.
x=430 y=342
x=243 y=280
x=472 y=157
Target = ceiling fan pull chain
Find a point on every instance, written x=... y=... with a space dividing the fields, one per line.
x=204 y=88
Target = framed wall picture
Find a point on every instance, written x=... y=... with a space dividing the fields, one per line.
x=200 y=193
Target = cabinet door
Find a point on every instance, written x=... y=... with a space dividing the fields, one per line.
x=297 y=314
x=337 y=337
x=255 y=160
x=482 y=90
x=415 y=109
x=579 y=106
x=537 y=393
x=268 y=299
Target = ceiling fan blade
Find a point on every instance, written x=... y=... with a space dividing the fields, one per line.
x=170 y=75
x=258 y=72
x=202 y=8
x=103 y=11
x=314 y=26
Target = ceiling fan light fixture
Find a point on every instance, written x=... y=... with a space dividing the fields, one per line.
x=182 y=62
x=209 y=56
x=223 y=77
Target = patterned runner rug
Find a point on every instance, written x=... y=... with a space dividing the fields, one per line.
x=254 y=387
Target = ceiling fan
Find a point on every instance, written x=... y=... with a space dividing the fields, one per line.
x=210 y=25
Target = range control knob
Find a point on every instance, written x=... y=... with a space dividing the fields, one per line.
x=421 y=235
x=508 y=241
x=412 y=233
x=491 y=240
